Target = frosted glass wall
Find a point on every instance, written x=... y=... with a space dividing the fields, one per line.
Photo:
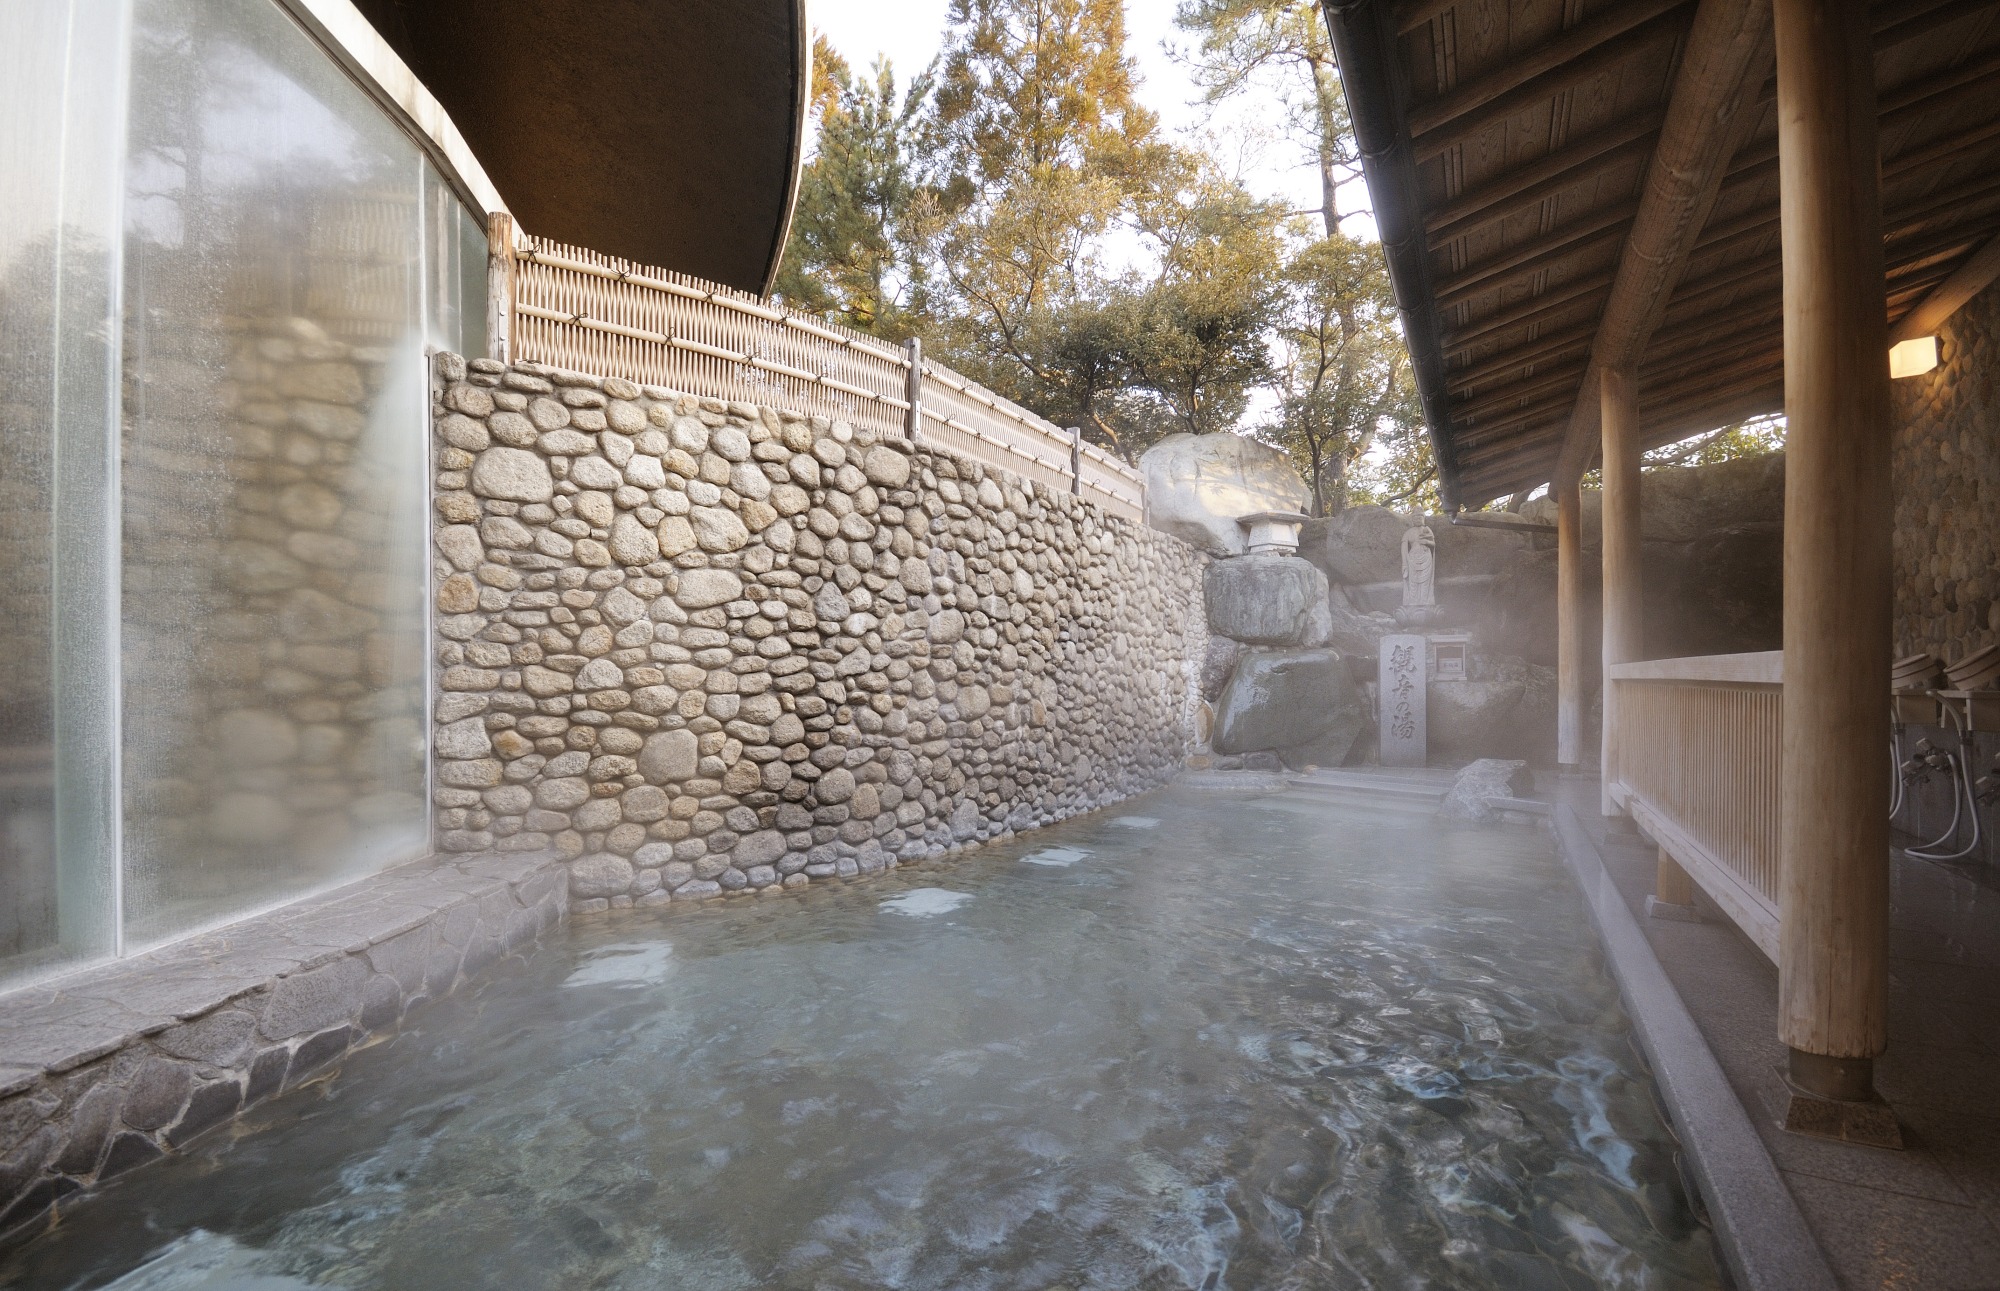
x=62 y=120
x=276 y=254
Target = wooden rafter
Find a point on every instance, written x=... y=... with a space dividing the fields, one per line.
x=1527 y=186
x=1584 y=51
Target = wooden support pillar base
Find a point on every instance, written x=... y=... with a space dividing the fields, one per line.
x=1835 y=1098
x=1678 y=912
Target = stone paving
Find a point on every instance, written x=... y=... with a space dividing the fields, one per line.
x=1924 y=1217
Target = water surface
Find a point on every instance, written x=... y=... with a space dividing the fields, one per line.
x=1248 y=1043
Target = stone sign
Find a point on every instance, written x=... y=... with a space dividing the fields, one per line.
x=1402 y=683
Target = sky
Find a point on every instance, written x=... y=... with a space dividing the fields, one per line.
x=908 y=33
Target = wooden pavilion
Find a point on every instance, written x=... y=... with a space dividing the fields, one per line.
x=1613 y=223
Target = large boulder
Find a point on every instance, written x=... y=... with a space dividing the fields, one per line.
x=1712 y=557
x=1197 y=486
x=1507 y=708
x=1218 y=664
x=1683 y=504
x=1267 y=600
x=1483 y=784
x=1356 y=545
x=1302 y=705
x=1364 y=545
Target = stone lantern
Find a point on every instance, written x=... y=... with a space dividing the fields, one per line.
x=1272 y=533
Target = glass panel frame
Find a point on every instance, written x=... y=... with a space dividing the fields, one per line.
x=394 y=268
x=62 y=122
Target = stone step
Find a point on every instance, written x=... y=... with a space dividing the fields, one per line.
x=1412 y=793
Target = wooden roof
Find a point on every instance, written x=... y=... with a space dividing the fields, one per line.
x=1509 y=145
x=667 y=132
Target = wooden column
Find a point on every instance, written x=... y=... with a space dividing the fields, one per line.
x=1671 y=883
x=1624 y=612
x=499 y=286
x=1833 y=797
x=1569 y=623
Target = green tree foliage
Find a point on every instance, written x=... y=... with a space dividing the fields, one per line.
x=1343 y=383
x=1200 y=326
x=1752 y=438
x=1017 y=208
x=852 y=254
x=1244 y=44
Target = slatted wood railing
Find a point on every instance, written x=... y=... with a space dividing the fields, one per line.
x=1697 y=753
x=574 y=308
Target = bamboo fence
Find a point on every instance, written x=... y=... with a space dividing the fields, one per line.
x=1698 y=744
x=573 y=308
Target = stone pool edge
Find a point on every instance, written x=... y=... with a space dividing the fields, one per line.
x=1763 y=1237
x=115 y=1066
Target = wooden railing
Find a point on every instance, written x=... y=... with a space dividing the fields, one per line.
x=574 y=308
x=1696 y=764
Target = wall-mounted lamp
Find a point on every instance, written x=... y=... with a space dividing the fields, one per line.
x=1914 y=357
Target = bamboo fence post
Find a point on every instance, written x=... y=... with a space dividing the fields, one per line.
x=1834 y=869
x=499 y=285
x=913 y=420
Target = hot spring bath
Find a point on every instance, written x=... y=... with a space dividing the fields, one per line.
x=1192 y=1041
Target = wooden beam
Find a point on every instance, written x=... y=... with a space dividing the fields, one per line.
x=1833 y=958
x=1533 y=257
x=1764 y=220
x=1712 y=111
x=1528 y=310
x=1539 y=350
x=1946 y=149
x=1932 y=88
x=1576 y=55
x=1707 y=338
x=1412 y=14
x=1472 y=410
x=1569 y=624
x=1971 y=278
x=1500 y=425
x=1536 y=464
x=1662 y=423
x=1526 y=186
x=1623 y=554
x=1923 y=24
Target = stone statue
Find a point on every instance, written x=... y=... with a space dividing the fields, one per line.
x=1419 y=567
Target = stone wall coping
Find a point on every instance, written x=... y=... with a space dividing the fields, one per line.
x=61 y=1023
x=110 y=1067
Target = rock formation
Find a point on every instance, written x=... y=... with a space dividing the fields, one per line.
x=1198 y=485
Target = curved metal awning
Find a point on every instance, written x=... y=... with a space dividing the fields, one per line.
x=667 y=132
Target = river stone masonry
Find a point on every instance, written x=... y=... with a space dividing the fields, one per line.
x=705 y=648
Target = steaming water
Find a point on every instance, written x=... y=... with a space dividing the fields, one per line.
x=1266 y=1043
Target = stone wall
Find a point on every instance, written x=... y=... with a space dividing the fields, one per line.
x=704 y=648
x=1947 y=464
x=1947 y=468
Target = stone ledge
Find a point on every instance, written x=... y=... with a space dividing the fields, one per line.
x=108 y=1068
x=1764 y=1240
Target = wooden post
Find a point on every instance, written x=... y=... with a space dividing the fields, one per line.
x=1833 y=797
x=913 y=390
x=1624 y=611
x=1569 y=623
x=1076 y=459
x=1671 y=883
x=499 y=286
